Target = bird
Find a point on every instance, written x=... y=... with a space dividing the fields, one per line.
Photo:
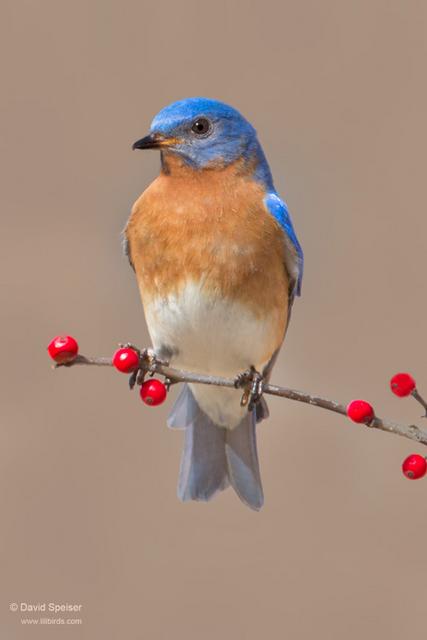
x=218 y=265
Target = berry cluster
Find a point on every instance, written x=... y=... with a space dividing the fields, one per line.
x=402 y=385
x=127 y=360
x=64 y=350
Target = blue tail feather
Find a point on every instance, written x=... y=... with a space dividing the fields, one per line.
x=184 y=411
x=242 y=459
x=213 y=457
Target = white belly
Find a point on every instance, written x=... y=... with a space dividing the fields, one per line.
x=207 y=334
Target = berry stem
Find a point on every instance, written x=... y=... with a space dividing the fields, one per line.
x=412 y=432
x=421 y=400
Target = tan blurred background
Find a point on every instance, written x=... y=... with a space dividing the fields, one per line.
x=89 y=514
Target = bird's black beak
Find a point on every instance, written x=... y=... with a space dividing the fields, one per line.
x=154 y=141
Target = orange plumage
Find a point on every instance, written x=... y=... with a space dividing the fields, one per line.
x=210 y=226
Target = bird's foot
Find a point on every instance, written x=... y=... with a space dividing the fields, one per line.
x=252 y=382
x=148 y=362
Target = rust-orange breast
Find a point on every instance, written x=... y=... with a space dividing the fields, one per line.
x=208 y=226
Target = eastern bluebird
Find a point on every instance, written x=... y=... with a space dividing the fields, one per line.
x=218 y=265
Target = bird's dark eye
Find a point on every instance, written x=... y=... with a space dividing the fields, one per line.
x=201 y=126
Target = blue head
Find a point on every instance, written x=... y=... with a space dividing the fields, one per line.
x=206 y=134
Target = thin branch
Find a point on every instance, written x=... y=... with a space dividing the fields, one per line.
x=412 y=432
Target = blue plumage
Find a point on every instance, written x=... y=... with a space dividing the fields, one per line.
x=295 y=263
x=231 y=136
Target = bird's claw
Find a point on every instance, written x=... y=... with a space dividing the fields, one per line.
x=148 y=362
x=252 y=382
x=132 y=378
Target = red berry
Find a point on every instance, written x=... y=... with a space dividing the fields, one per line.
x=126 y=360
x=63 y=349
x=402 y=384
x=360 y=411
x=414 y=466
x=153 y=392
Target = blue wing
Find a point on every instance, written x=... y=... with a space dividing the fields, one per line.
x=294 y=254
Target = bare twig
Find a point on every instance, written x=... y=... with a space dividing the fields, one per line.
x=177 y=375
